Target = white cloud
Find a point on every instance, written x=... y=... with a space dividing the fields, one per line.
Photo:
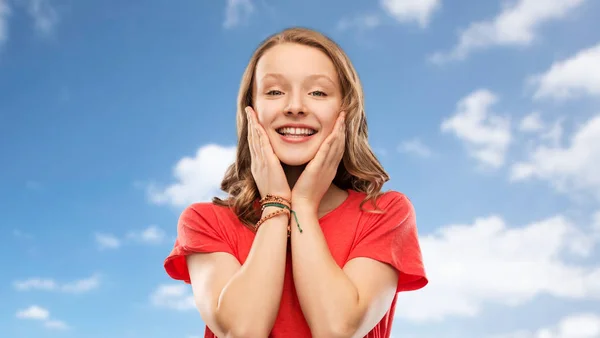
x=488 y=262
x=37 y=284
x=36 y=312
x=4 y=13
x=236 y=12
x=570 y=78
x=596 y=223
x=44 y=16
x=553 y=133
x=573 y=168
x=107 y=241
x=416 y=147
x=198 y=178
x=531 y=123
x=516 y=25
x=46 y=284
x=151 y=235
x=403 y=11
x=82 y=285
x=580 y=325
x=419 y=11
x=173 y=296
x=486 y=135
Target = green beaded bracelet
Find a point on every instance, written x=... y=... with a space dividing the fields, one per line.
x=281 y=205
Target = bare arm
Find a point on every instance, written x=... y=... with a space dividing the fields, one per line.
x=338 y=302
x=242 y=300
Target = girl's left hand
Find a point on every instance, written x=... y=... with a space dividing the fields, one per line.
x=316 y=178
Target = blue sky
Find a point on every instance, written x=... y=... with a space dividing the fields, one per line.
x=114 y=116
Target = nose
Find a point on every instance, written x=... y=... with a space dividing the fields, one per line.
x=295 y=105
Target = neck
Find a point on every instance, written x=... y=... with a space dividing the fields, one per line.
x=292 y=173
x=332 y=198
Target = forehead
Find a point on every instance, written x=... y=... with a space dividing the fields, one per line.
x=295 y=61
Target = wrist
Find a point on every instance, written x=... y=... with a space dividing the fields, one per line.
x=301 y=205
x=284 y=195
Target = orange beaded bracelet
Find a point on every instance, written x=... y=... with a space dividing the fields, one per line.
x=280 y=202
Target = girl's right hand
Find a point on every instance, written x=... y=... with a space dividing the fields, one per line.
x=265 y=165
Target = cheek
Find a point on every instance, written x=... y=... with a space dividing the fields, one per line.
x=327 y=116
x=266 y=111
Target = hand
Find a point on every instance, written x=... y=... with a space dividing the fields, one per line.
x=265 y=165
x=321 y=170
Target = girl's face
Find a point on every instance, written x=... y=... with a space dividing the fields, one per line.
x=297 y=98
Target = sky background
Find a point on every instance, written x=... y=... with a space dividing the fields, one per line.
x=115 y=115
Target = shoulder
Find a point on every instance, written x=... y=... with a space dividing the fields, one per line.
x=198 y=211
x=205 y=208
x=206 y=214
x=389 y=201
x=391 y=209
x=199 y=208
x=391 y=197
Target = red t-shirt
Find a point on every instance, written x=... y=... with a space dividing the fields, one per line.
x=390 y=237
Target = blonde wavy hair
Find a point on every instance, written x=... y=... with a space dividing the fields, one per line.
x=359 y=170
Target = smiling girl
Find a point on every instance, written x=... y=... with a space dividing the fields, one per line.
x=306 y=244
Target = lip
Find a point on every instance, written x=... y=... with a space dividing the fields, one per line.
x=296 y=139
x=296 y=125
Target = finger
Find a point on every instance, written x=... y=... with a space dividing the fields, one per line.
x=259 y=135
x=338 y=145
x=331 y=141
x=263 y=139
x=342 y=143
x=251 y=133
x=324 y=150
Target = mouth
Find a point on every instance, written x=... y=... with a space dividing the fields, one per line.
x=295 y=131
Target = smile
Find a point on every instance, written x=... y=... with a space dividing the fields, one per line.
x=289 y=131
x=295 y=135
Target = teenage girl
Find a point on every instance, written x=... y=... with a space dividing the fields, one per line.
x=306 y=244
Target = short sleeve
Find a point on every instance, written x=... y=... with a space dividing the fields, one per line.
x=198 y=231
x=392 y=238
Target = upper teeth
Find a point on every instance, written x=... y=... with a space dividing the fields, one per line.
x=296 y=131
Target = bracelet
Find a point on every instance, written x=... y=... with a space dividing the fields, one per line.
x=271 y=198
x=285 y=207
x=280 y=202
x=271 y=215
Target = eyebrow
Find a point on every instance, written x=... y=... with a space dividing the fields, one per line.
x=310 y=77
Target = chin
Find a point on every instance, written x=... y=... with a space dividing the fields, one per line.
x=296 y=155
x=295 y=160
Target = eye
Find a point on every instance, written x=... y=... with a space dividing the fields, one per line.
x=318 y=93
x=274 y=92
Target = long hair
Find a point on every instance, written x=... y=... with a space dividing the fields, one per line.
x=359 y=169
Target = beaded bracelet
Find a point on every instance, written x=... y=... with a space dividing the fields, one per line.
x=279 y=202
x=284 y=207
x=271 y=215
x=271 y=198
